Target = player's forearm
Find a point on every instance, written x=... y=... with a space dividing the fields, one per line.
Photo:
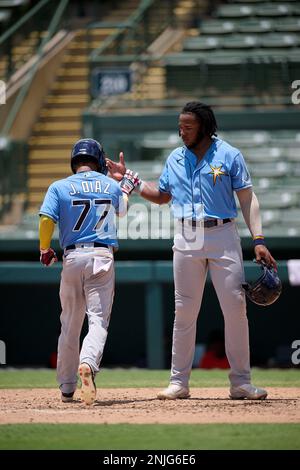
x=251 y=214
x=46 y=229
x=150 y=192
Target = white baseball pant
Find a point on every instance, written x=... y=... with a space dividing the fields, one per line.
x=87 y=287
x=222 y=255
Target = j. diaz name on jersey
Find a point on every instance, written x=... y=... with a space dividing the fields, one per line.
x=90 y=187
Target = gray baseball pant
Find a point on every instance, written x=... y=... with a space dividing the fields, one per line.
x=222 y=255
x=87 y=287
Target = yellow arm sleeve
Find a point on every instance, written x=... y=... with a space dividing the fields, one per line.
x=46 y=229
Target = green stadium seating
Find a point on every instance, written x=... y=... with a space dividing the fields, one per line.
x=291 y=216
x=277 y=199
x=202 y=43
x=296 y=169
x=296 y=9
x=254 y=26
x=13 y=3
x=262 y=183
x=235 y=11
x=240 y=41
x=274 y=9
x=289 y=24
x=218 y=27
x=293 y=154
x=264 y=153
x=269 y=170
x=243 y=139
x=246 y=1
x=258 y=9
x=280 y=40
x=285 y=138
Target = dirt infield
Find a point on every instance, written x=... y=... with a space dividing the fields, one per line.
x=139 y=405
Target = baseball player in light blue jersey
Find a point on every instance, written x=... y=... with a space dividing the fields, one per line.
x=84 y=205
x=200 y=179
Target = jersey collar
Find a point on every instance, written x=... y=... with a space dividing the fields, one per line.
x=189 y=154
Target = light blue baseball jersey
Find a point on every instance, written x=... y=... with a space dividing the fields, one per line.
x=208 y=184
x=84 y=205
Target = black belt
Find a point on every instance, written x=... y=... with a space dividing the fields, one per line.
x=207 y=223
x=95 y=245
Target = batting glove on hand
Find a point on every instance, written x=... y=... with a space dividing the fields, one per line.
x=129 y=182
x=48 y=257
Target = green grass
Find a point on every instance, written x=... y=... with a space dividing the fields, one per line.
x=142 y=436
x=114 y=378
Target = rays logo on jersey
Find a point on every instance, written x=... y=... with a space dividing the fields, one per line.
x=217 y=172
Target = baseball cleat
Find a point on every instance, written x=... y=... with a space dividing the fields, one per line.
x=67 y=397
x=173 y=391
x=248 y=392
x=88 y=387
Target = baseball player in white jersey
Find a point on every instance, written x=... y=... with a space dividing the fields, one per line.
x=84 y=205
x=200 y=179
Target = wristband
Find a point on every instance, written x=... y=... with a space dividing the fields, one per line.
x=259 y=240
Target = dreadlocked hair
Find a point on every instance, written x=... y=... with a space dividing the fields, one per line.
x=204 y=114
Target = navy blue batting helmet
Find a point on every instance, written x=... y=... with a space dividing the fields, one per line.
x=266 y=290
x=89 y=148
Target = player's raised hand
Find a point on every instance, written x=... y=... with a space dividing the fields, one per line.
x=116 y=169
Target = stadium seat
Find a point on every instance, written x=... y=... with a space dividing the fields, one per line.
x=202 y=43
x=291 y=217
x=263 y=154
x=254 y=26
x=270 y=217
x=12 y=3
x=292 y=154
x=289 y=24
x=278 y=199
x=269 y=170
x=234 y=11
x=247 y=139
x=240 y=41
x=273 y=9
x=280 y=40
x=296 y=9
x=286 y=138
x=218 y=27
x=262 y=183
x=246 y=1
x=296 y=169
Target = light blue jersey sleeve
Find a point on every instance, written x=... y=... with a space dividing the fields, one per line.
x=239 y=173
x=164 y=180
x=50 y=206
